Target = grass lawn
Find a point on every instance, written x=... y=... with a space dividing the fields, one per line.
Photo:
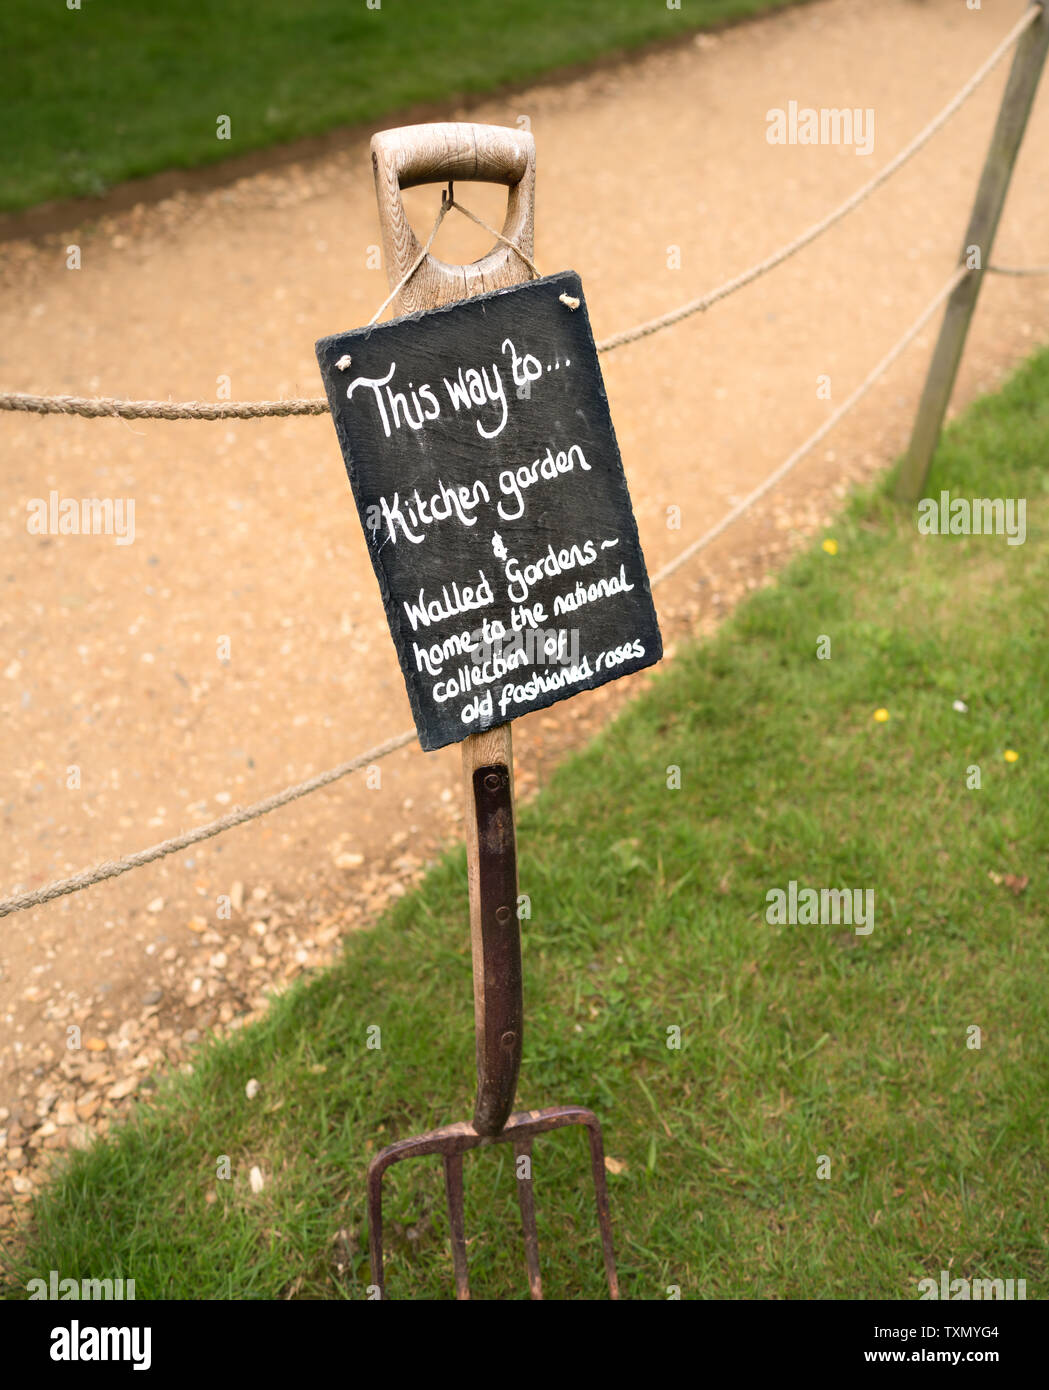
x=649 y=912
x=119 y=88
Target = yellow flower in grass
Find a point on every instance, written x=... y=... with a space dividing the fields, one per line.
x=831 y=547
x=881 y=716
x=1011 y=755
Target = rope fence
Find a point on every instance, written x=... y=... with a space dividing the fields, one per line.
x=204 y=410
x=800 y=452
x=241 y=815
x=1019 y=269
x=238 y=816
x=96 y=407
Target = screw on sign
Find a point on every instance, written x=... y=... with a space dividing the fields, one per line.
x=483 y=462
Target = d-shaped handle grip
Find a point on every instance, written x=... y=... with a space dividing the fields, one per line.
x=432 y=153
x=413 y=155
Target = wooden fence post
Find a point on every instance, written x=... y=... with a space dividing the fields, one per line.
x=983 y=223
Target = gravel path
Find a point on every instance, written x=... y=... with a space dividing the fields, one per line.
x=112 y=659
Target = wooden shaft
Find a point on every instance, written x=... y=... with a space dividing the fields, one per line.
x=1020 y=89
x=433 y=153
x=496 y=745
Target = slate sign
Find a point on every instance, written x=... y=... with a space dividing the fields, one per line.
x=489 y=483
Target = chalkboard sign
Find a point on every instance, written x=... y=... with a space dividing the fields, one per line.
x=489 y=483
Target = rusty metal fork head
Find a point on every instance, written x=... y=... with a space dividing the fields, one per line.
x=498 y=1005
x=451 y=1142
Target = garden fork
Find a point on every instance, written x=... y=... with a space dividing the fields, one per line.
x=403 y=158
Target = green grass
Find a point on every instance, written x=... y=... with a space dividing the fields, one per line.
x=648 y=911
x=121 y=88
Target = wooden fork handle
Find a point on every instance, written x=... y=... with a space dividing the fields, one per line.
x=415 y=154
x=411 y=155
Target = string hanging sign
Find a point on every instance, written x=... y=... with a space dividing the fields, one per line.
x=488 y=480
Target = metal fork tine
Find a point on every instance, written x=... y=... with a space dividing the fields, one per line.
x=453 y=1186
x=375 y=1172
x=526 y=1197
x=604 y=1219
x=451 y=1142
